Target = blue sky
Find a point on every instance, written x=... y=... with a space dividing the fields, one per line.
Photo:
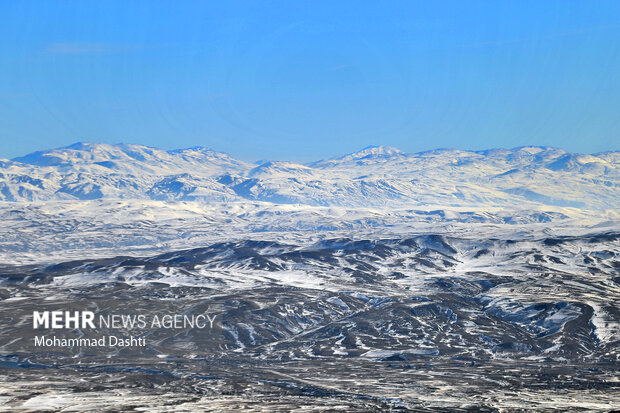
x=304 y=80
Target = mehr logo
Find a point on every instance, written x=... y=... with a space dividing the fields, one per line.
x=63 y=319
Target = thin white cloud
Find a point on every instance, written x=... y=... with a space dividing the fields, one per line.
x=94 y=48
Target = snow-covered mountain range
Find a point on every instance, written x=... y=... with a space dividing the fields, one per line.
x=374 y=280
x=378 y=176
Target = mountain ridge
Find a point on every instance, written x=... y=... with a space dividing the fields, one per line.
x=375 y=176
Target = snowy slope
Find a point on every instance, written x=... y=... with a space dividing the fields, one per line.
x=95 y=171
x=373 y=177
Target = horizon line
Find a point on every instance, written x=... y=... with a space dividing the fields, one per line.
x=341 y=155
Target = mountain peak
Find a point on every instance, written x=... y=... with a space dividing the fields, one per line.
x=372 y=152
x=534 y=149
x=376 y=150
x=198 y=149
x=79 y=145
x=369 y=153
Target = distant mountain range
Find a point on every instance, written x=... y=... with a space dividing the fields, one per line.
x=378 y=176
